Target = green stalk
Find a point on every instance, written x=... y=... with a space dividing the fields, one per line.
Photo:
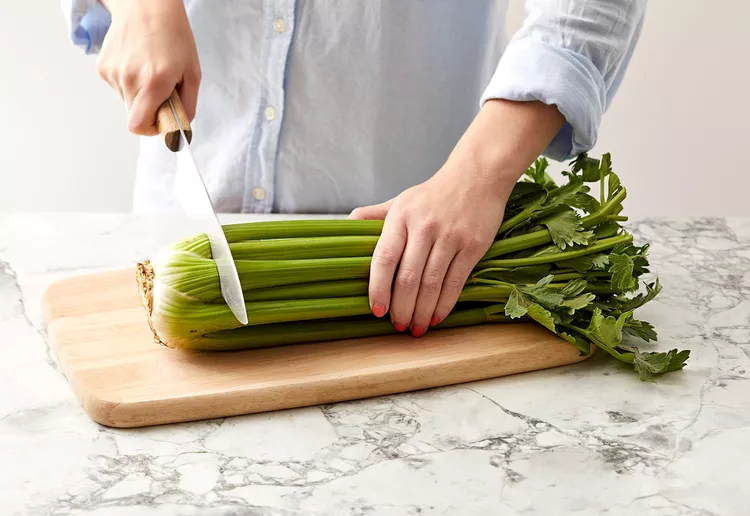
x=261 y=274
x=288 y=247
x=604 y=210
x=517 y=243
x=197 y=279
x=541 y=237
x=301 y=228
x=558 y=275
x=304 y=248
x=600 y=245
x=628 y=358
x=582 y=275
x=343 y=288
x=179 y=324
x=514 y=221
x=498 y=292
x=327 y=330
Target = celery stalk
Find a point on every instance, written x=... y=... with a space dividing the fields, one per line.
x=307 y=280
x=303 y=332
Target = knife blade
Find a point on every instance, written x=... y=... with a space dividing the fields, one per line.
x=173 y=124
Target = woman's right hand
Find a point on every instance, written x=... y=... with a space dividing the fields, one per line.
x=148 y=51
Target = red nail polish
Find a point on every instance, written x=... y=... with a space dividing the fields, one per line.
x=434 y=321
x=417 y=331
x=399 y=326
x=378 y=309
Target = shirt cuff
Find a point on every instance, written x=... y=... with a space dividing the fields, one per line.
x=534 y=70
x=88 y=22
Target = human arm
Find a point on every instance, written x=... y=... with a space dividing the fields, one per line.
x=436 y=232
x=547 y=96
x=144 y=51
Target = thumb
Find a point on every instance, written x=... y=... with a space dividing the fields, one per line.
x=372 y=212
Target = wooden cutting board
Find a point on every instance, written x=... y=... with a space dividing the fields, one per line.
x=99 y=334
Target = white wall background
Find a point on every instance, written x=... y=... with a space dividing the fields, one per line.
x=678 y=129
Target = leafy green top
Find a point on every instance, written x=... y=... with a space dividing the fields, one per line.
x=579 y=286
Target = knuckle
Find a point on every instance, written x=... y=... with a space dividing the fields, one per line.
x=432 y=282
x=452 y=240
x=128 y=76
x=102 y=70
x=407 y=279
x=396 y=216
x=195 y=73
x=473 y=243
x=155 y=77
x=429 y=227
x=453 y=285
x=384 y=256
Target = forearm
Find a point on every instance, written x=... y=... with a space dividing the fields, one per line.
x=162 y=7
x=504 y=139
x=115 y=6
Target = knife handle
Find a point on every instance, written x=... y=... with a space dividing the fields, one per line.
x=167 y=125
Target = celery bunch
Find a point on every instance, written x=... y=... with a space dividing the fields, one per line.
x=560 y=258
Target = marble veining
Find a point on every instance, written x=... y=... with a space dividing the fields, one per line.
x=585 y=439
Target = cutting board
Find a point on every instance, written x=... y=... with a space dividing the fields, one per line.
x=98 y=332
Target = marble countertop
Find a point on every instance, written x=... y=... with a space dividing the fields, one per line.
x=586 y=439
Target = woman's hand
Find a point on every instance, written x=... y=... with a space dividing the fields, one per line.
x=148 y=51
x=436 y=232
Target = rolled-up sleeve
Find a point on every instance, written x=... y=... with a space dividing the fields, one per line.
x=572 y=54
x=88 y=22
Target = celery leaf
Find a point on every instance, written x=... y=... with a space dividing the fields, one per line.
x=579 y=343
x=641 y=329
x=580 y=301
x=652 y=290
x=622 y=272
x=650 y=364
x=541 y=316
x=589 y=168
x=522 y=298
x=573 y=287
x=599 y=261
x=565 y=229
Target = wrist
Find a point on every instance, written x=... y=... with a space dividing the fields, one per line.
x=162 y=7
x=115 y=6
x=504 y=140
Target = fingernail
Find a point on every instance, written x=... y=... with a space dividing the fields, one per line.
x=399 y=326
x=434 y=321
x=378 y=309
x=417 y=331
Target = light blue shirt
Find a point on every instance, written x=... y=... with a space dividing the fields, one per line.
x=320 y=106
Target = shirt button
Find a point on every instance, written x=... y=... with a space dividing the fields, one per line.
x=269 y=113
x=259 y=193
x=279 y=25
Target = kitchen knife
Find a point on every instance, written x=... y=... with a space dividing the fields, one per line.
x=173 y=124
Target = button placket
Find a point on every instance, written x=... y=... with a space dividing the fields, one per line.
x=278 y=23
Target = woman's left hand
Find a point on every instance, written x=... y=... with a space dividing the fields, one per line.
x=435 y=233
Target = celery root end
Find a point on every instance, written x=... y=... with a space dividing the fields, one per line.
x=144 y=273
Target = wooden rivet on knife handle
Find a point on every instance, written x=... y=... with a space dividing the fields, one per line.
x=167 y=125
